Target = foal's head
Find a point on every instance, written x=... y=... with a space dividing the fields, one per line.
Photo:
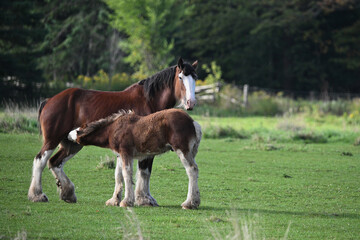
x=186 y=77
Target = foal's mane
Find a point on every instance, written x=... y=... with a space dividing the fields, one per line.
x=158 y=81
x=93 y=126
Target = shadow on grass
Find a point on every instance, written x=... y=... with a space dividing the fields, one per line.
x=266 y=211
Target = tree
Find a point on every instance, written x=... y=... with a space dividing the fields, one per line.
x=78 y=40
x=21 y=33
x=149 y=26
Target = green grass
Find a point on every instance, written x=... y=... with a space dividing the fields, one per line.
x=315 y=187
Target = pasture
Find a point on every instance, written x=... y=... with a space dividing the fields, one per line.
x=266 y=179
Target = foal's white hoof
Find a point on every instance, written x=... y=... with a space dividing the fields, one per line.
x=190 y=204
x=38 y=198
x=112 y=202
x=147 y=201
x=126 y=204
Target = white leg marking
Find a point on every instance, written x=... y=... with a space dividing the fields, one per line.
x=67 y=188
x=193 y=196
x=142 y=190
x=129 y=199
x=72 y=136
x=35 y=191
x=116 y=198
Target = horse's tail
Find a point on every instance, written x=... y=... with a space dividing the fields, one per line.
x=42 y=105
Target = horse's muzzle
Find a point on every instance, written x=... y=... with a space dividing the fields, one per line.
x=190 y=104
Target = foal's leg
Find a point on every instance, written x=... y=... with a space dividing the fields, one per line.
x=142 y=190
x=35 y=193
x=127 y=171
x=56 y=164
x=116 y=198
x=193 y=197
x=188 y=160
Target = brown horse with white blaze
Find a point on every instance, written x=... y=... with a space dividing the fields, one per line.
x=133 y=136
x=75 y=107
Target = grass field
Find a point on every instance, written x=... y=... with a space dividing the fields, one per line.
x=269 y=182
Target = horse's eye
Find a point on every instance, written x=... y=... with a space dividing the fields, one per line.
x=180 y=77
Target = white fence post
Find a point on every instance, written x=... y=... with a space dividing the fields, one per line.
x=245 y=95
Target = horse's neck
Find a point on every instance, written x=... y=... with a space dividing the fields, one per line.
x=164 y=99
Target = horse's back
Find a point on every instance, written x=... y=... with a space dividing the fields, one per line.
x=75 y=107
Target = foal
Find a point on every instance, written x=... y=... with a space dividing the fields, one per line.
x=132 y=136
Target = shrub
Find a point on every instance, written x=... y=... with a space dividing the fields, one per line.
x=223 y=132
x=310 y=137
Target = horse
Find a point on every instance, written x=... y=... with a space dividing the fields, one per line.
x=74 y=107
x=132 y=136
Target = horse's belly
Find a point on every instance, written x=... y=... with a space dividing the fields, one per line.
x=151 y=152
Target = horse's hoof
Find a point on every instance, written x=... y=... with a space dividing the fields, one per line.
x=112 y=202
x=71 y=199
x=38 y=198
x=147 y=201
x=190 y=205
x=126 y=204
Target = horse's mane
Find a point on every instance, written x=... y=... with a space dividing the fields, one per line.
x=158 y=81
x=93 y=126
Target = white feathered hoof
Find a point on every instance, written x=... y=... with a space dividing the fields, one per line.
x=38 y=198
x=191 y=204
x=112 y=202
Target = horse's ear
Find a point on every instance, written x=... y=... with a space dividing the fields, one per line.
x=195 y=64
x=180 y=63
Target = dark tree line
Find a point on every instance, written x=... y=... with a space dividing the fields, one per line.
x=293 y=45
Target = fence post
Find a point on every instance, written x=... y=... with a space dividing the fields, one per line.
x=245 y=95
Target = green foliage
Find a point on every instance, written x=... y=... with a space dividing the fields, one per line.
x=222 y=132
x=149 y=25
x=77 y=40
x=21 y=34
x=214 y=73
x=310 y=137
x=101 y=80
x=19 y=124
x=292 y=45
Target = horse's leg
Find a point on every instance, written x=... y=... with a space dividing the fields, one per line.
x=35 y=193
x=67 y=189
x=116 y=198
x=142 y=190
x=127 y=171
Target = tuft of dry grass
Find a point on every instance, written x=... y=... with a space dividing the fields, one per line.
x=131 y=229
x=247 y=227
x=107 y=162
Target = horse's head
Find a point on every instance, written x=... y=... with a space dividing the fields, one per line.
x=186 y=76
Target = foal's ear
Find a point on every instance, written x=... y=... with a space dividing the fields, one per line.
x=195 y=64
x=180 y=63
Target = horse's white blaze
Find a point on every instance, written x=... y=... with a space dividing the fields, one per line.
x=189 y=84
x=72 y=136
x=38 y=167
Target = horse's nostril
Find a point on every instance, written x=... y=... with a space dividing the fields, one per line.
x=188 y=102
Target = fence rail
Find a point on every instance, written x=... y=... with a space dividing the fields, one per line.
x=210 y=93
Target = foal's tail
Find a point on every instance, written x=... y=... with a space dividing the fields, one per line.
x=42 y=105
x=198 y=133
